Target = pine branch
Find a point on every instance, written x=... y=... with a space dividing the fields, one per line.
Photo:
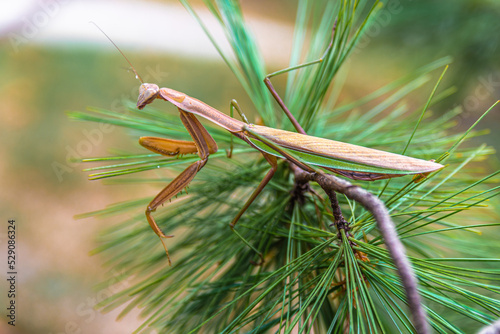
x=331 y=184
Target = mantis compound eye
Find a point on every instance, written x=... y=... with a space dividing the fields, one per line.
x=147 y=94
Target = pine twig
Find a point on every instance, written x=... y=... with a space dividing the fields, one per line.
x=331 y=184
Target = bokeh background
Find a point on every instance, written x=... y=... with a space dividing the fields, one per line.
x=52 y=60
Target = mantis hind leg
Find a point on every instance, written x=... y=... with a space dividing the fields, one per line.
x=274 y=166
x=274 y=93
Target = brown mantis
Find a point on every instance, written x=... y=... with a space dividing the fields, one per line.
x=352 y=161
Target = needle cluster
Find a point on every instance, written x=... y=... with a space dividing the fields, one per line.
x=315 y=278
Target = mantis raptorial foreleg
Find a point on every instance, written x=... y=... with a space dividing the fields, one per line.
x=203 y=144
x=202 y=139
x=168 y=147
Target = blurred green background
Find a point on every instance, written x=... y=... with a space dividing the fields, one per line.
x=52 y=61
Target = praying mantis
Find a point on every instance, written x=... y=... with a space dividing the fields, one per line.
x=351 y=161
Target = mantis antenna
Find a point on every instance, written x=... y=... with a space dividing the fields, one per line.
x=116 y=46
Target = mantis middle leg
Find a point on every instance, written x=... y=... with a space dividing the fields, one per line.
x=274 y=166
x=234 y=105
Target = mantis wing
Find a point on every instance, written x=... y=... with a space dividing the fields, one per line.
x=353 y=161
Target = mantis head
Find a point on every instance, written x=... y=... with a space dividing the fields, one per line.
x=147 y=94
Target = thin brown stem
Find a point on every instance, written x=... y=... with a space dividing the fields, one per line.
x=330 y=184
